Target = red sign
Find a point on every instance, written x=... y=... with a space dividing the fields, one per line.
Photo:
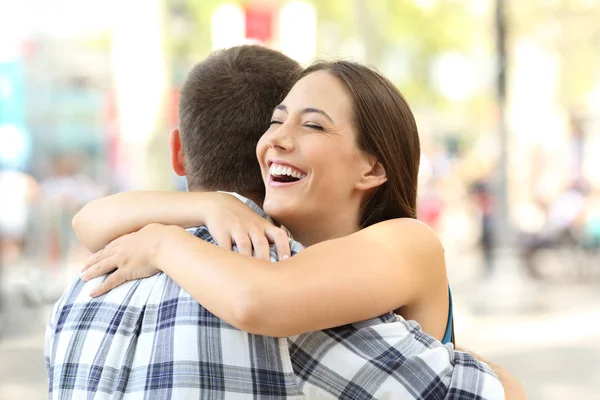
x=259 y=23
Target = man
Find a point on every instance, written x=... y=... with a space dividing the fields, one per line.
x=150 y=339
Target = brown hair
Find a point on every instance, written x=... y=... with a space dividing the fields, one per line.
x=225 y=106
x=386 y=128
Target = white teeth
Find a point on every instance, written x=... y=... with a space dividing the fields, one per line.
x=285 y=170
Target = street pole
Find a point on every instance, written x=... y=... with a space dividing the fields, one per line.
x=501 y=221
x=508 y=289
x=368 y=33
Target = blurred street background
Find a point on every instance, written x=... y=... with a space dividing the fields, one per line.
x=506 y=96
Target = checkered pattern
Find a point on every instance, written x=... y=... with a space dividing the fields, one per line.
x=149 y=339
x=387 y=358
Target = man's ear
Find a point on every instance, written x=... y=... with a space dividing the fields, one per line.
x=176 y=153
x=374 y=175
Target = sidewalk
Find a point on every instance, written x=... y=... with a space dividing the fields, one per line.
x=29 y=291
x=547 y=335
x=556 y=355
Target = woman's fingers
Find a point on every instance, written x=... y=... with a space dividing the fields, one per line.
x=261 y=245
x=282 y=243
x=253 y=235
x=102 y=254
x=93 y=260
x=223 y=239
x=114 y=280
x=102 y=267
x=243 y=243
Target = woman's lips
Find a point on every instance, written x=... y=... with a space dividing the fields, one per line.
x=274 y=183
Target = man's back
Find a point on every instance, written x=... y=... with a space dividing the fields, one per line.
x=150 y=339
x=159 y=340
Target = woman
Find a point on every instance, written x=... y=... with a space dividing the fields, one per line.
x=340 y=163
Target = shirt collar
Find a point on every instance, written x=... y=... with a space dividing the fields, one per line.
x=255 y=207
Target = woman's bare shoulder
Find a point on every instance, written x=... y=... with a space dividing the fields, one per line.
x=409 y=241
x=408 y=229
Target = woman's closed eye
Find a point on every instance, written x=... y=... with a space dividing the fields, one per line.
x=316 y=127
x=310 y=126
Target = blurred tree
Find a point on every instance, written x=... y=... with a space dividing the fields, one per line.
x=571 y=29
x=188 y=33
x=419 y=31
x=381 y=27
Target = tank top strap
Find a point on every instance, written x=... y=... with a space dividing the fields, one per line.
x=449 y=334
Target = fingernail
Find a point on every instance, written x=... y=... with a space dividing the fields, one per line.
x=285 y=257
x=93 y=293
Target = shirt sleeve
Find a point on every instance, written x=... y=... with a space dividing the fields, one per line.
x=388 y=358
x=473 y=379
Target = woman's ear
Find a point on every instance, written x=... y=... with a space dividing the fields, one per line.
x=176 y=153
x=373 y=176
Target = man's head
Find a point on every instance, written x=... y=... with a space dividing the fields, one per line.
x=225 y=107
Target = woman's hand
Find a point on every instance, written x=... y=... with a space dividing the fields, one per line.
x=230 y=221
x=131 y=255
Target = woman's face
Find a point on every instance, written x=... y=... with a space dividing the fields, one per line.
x=309 y=159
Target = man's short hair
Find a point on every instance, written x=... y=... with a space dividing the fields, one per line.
x=225 y=107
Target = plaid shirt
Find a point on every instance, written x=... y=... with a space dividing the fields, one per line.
x=149 y=339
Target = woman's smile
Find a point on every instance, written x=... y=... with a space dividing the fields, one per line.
x=282 y=174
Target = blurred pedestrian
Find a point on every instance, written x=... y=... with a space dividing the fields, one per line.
x=63 y=193
x=18 y=190
x=484 y=202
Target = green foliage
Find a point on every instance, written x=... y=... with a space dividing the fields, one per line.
x=385 y=25
x=189 y=24
x=394 y=24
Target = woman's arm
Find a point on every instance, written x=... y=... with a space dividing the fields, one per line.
x=105 y=219
x=379 y=269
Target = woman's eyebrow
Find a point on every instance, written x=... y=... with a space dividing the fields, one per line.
x=310 y=110
x=307 y=110
x=281 y=107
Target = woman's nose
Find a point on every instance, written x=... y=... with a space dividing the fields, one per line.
x=281 y=139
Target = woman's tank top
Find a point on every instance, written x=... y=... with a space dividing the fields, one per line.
x=449 y=334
